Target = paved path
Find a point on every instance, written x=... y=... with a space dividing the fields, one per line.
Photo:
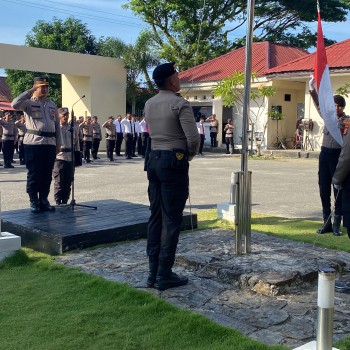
x=223 y=287
x=283 y=187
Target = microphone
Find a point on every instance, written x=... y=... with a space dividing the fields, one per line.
x=78 y=101
x=72 y=113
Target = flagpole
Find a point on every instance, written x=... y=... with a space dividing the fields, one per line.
x=243 y=178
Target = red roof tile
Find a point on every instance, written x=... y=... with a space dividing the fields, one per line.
x=337 y=57
x=5 y=93
x=265 y=55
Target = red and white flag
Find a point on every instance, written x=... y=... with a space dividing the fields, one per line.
x=324 y=87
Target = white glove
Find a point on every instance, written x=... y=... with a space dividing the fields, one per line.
x=312 y=83
x=337 y=187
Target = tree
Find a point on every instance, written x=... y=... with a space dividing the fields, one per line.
x=191 y=33
x=138 y=58
x=70 y=35
x=230 y=90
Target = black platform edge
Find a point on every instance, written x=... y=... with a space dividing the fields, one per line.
x=55 y=243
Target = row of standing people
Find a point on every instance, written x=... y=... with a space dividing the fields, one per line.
x=134 y=132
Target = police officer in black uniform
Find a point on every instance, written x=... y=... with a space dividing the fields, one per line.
x=175 y=141
x=328 y=160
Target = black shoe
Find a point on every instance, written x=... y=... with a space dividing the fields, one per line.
x=45 y=205
x=327 y=225
x=111 y=160
x=134 y=155
x=87 y=161
x=34 y=207
x=151 y=280
x=336 y=225
x=170 y=281
x=58 y=202
x=128 y=158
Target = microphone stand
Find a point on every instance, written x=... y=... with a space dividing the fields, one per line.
x=73 y=202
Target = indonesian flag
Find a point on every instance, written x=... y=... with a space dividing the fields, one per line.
x=324 y=87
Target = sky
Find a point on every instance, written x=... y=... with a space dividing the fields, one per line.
x=104 y=18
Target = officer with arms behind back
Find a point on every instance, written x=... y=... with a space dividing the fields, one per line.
x=175 y=141
x=41 y=142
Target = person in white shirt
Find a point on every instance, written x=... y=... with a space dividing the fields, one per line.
x=128 y=135
x=201 y=132
x=120 y=134
x=144 y=136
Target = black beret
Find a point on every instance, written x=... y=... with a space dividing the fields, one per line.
x=339 y=100
x=41 y=81
x=164 y=71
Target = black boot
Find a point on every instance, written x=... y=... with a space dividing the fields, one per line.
x=336 y=225
x=167 y=279
x=327 y=225
x=45 y=205
x=153 y=270
x=34 y=207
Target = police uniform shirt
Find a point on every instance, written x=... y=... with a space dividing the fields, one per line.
x=87 y=131
x=96 y=131
x=110 y=131
x=66 y=143
x=10 y=132
x=171 y=123
x=21 y=128
x=40 y=116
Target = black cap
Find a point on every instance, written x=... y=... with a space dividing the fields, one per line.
x=41 y=81
x=164 y=71
x=339 y=100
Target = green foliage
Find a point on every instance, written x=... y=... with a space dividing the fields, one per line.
x=343 y=90
x=190 y=33
x=70 y=35
x=275 y=115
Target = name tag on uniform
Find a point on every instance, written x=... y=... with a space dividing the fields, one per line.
x=36 y=112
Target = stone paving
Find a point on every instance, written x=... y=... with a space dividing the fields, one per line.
x=269 y=295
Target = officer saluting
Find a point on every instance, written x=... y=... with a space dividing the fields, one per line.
x=175 y=142
x=42 y=139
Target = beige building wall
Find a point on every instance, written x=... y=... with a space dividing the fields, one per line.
x=101 y=79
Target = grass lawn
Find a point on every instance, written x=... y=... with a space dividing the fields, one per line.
x=48 y=306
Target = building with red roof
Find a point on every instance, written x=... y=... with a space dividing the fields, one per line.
x=284 y=67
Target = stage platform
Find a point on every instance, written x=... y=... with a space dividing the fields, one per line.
x=66 y=229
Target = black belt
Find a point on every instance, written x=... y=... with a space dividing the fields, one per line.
x=41 y=133
x=8 y=135
x=65 y=149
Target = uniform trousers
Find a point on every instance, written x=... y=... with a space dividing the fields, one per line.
x=39 y=162
x=128 y=144
x=118 y=143
x=229 y=144
x=87 y=149
x=110 y=144
x=213 y=136
x=328 y=160
x=95 y=147
x=21 y=150
x=144 y=139
x=168 y=192
x=200 y=151
x=63 y=177
x=8 y=149
x=134 y=143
